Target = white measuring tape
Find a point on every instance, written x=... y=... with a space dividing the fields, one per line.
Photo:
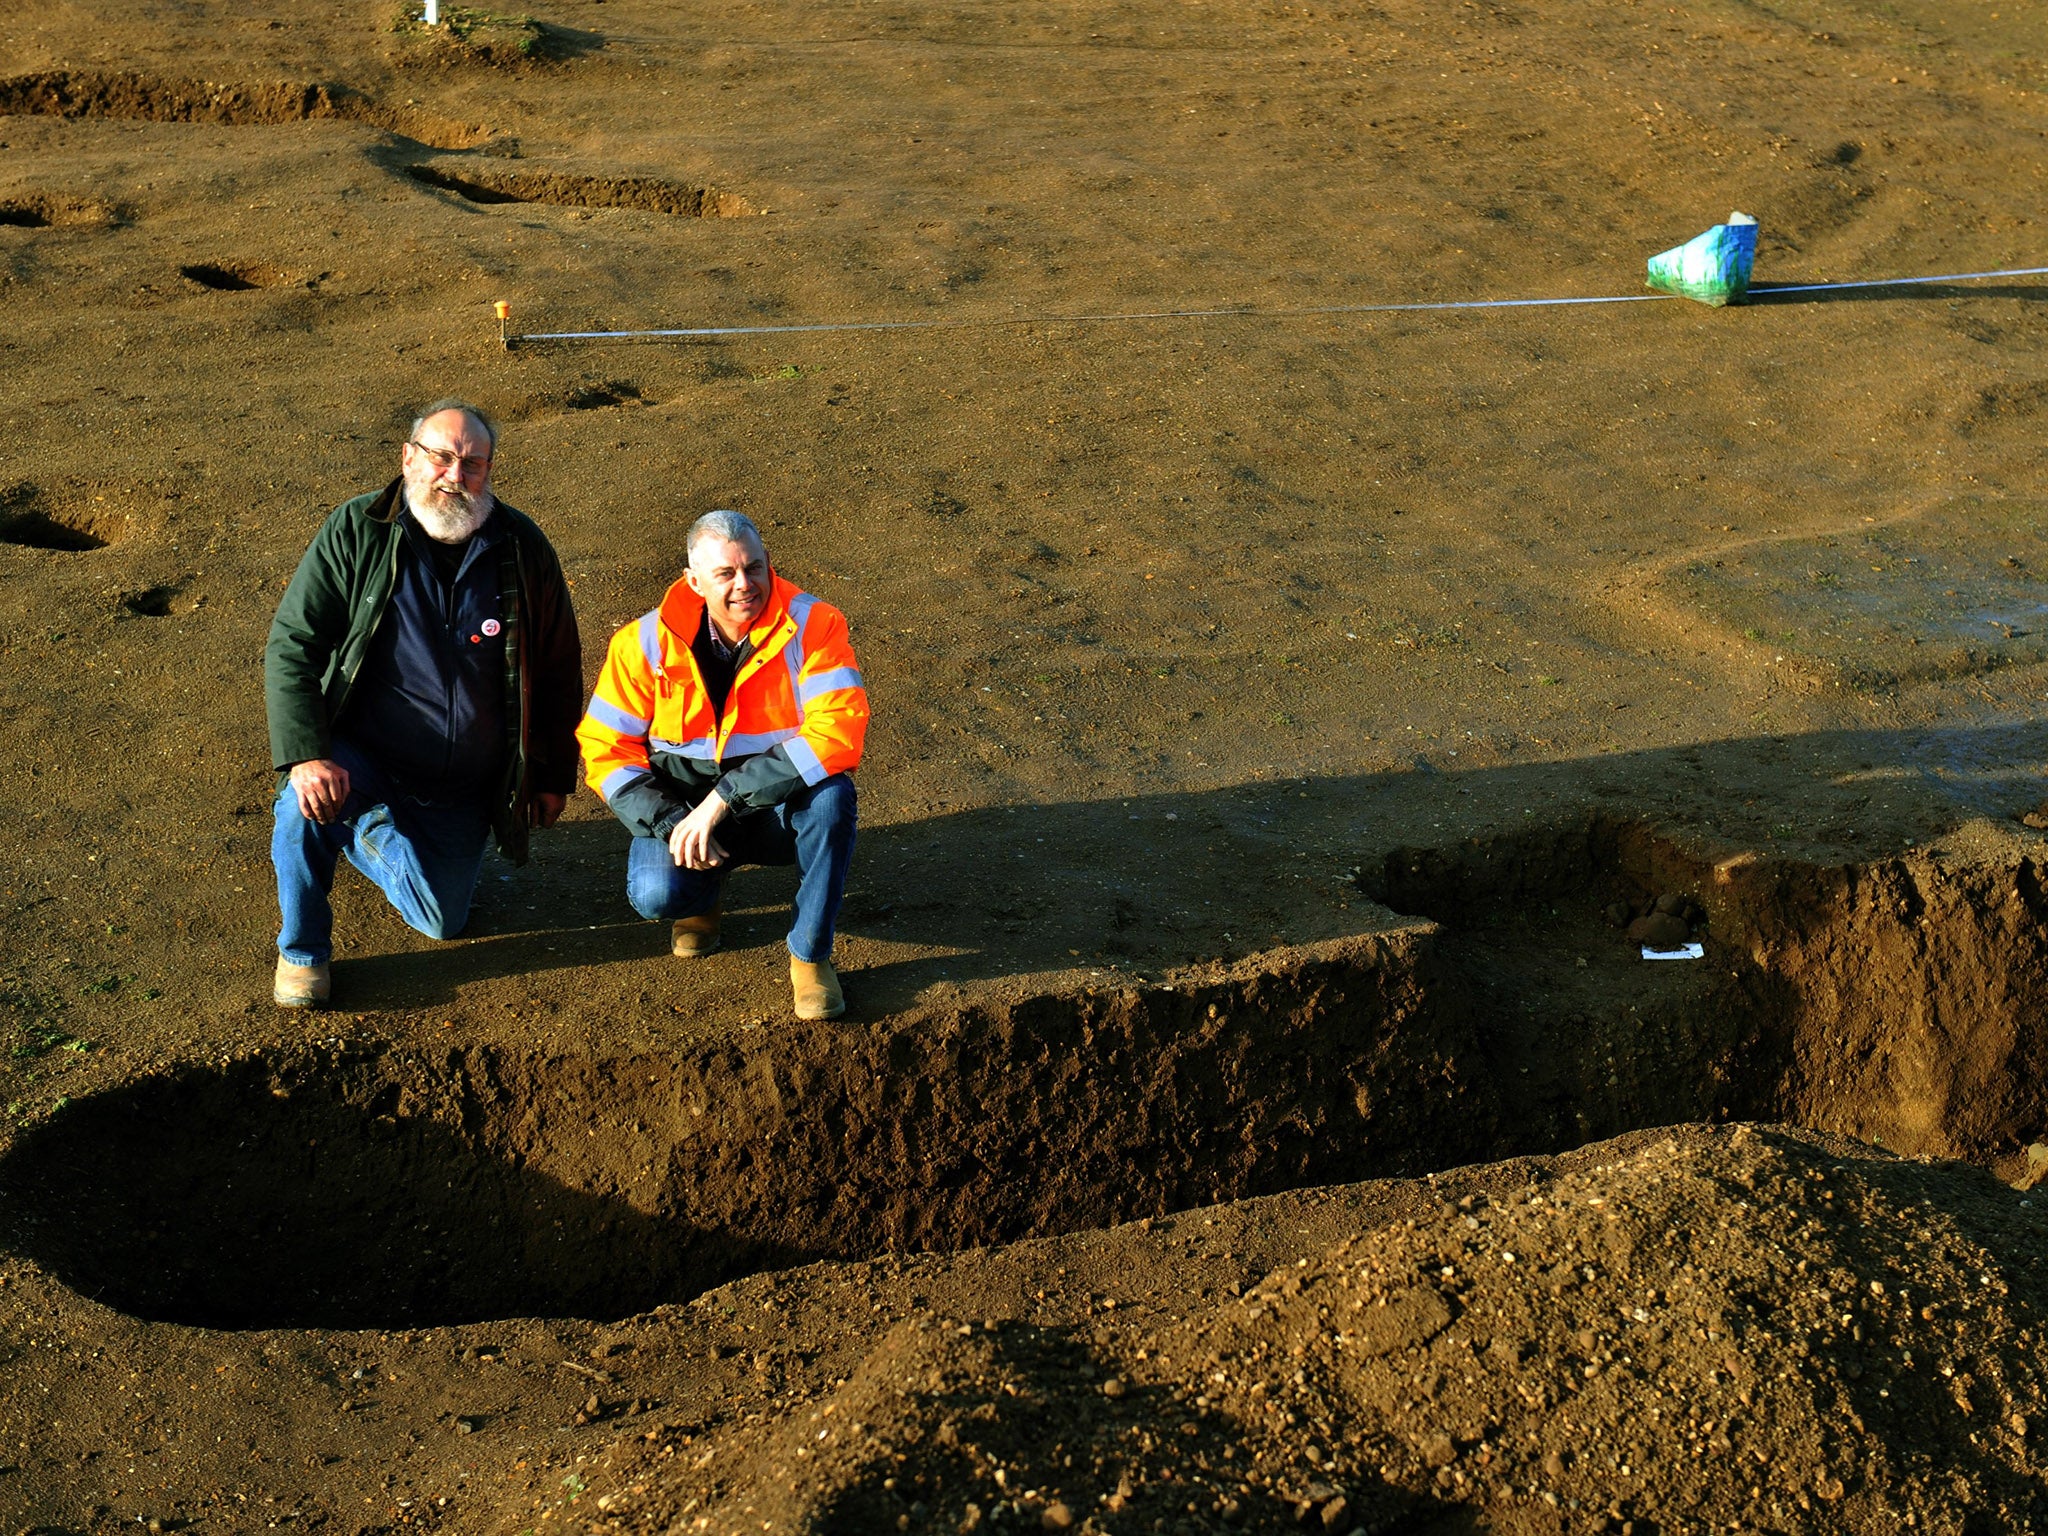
x=1760 y=294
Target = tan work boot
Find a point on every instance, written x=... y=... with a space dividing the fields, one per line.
x=695 y=936
x=301 y=986
x=816 y=986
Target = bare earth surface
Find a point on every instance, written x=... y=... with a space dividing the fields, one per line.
x=1254 y=1113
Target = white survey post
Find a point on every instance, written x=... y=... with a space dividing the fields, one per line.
x=433 y=13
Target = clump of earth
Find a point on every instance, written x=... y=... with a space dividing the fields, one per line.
x=1741 y=1329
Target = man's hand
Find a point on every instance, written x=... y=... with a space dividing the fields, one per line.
x=321 y=785
x=544 y=810
x=691 y=845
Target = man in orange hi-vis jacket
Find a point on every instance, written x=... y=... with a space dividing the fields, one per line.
x=724 y=730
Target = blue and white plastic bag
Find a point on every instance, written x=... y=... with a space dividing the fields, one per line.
x=1713 y=268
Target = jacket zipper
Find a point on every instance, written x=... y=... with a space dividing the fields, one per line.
x=719 y=726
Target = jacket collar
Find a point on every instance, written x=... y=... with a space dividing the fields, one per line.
x=389 y=503
x=682 y=611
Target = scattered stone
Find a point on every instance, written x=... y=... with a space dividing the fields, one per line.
x=1437 y=1450
x=1114 y=1387
x=1670 y=903
x=1056 y=1517
x=1334 y=1512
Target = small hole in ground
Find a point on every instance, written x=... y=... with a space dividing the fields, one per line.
x=25 y=520
x=596 y=397
x=38 y=531
x=239 y=278
x=155 y=603
x=23 y=216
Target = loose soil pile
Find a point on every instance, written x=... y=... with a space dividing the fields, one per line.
x=1279 y=727
x=1738 y=1330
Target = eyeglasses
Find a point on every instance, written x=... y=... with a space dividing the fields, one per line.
x=442 y=459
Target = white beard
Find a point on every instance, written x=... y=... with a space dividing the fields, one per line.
x=457 y=515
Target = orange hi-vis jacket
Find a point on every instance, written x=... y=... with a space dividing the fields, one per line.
x=796 y=715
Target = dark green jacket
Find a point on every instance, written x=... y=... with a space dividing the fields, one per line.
x=333 y=606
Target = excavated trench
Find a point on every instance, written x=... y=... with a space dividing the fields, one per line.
x=1897 y=1001
x=490 y=185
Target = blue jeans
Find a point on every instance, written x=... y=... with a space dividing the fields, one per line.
x=812 y=829
x=424 y=856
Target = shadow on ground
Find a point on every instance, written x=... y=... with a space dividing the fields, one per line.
x=1790 y=293
x=1130 y=887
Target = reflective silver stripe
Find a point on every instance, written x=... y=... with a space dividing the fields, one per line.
x=650 y=639
x=703 y=747
x=828 y=682
x=806 y=760
x=745 y=745
x=618 y=779
x=793 y=654
x=616 y=718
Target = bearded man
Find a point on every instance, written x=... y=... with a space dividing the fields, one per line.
x=423 y=682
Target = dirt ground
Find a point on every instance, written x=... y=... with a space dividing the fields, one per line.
x=1278 y=724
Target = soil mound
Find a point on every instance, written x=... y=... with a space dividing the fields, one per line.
x=1734 y=1329
x=94 y=93
x=133 y=97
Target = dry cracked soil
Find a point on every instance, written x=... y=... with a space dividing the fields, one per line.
x=1256 y=1111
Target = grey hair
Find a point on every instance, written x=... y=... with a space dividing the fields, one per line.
x=733 y=527
x=488 y=427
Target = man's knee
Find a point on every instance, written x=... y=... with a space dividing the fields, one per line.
x=650 y=898
x=657 y=891
x=439 y=917
x=668 y=903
